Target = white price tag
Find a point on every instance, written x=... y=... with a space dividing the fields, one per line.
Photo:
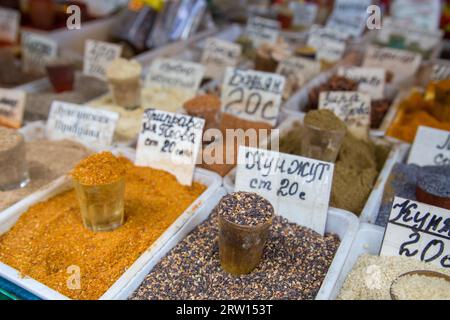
x=9 y=25
x=330 y=44
x=37 y=50
x=351 y=107
x=303 y=69
x=12 y=104
x=418 y=231
x=431 y=147
x=168 y=73
x=89 y=126
x=298 y=188
x=170 y=142
x=219 y=54
x=421 y=14
x=252 y=95
x=404 y=64
x=349 y=17
x=304 y=13
x=262 y=30
x=97 y=56
x=370 y=80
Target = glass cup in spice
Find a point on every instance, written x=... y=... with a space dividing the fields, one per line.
x=244 y=222
x=99 y=182
x=13 y=164
x=61 y=74
x=323 y=134
x=124 y=78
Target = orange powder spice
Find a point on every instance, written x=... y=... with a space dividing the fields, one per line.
x=99 y=169
x=50 y=236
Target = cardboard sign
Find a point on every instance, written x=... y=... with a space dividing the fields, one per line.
x=37 y=50
x=418 y=231
x=404 y=64
x=351 y=107
x=440 y=70
x=305 y=14
x=9 y=25
x=170 y=142
x=252 y=95
x=431 y=147
x=97 y=56
x=219 y=54
x=297 y=187
x=168 y=73
x=303 y=69
x=89 y=126
x=261 y=30
x=421 y=14
x=12 y=104
x=330 y=44
x=370 y=80
x=349 y=17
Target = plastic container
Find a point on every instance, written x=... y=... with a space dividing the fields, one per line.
x=203 y=205
x=372 y=206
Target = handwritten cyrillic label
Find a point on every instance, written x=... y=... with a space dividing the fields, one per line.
x=9 y=25
x=330 y=44
x=252 y=95
x=418 y=231
x=303 y=69
x=170 y=142
x=12 y=103
x=218 y=55
x=431 y=147
x=97 y=56
x=261 y=30
x=351 y=107
x=37 y=50
x=90 y=126
x=168 y=73
x=421 y=14
x=297 y=187
x=349 y=16
x=404 y=64
x=304 y=13
x=370 y=80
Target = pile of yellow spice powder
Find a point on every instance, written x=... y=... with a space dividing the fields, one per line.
x=50 y=236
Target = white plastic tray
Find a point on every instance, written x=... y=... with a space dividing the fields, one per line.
x=367 y=241
x=203 y=205
x=340 y=222
x=372 y=206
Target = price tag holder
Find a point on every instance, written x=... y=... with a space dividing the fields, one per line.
x=252 y=95
x=431 y=147
x=297 y=187
x=12 y=106
x=97 y=56
x=219 y=54
x=351 y=107
x=418 y=231
x=330 y=44
x=37 y=50
x=9 y=25
x=89 y=126
x=168 y=73
x=262 y=30
x=303 y=69
x=170 y=142
x=305 y=14
x=404 y=64
x=370 y=80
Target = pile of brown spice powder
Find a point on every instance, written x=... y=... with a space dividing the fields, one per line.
x=50 y=236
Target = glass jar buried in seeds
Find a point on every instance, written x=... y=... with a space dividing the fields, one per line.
x=99 y=182
x=244 y=222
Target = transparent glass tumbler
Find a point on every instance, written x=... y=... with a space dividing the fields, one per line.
x=102 y=206
x=13 y=165
x=126 y=92
x=320 y=144
x=241 y=247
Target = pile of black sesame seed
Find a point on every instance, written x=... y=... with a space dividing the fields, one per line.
x=294 y=264
x=245 y=208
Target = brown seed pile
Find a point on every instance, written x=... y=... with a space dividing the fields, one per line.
x=335 y=83
x=294 y=264
x=245 y=208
